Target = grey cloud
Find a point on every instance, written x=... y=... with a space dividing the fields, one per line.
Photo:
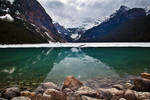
x=73 y=12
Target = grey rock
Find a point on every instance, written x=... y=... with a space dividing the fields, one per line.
x=110 y=93
x=87 y=91
x=54 y=94
x=10 y=93
x=118 y=86
x=44 y=86
x=21 y=98
x=89 y=98
x=130 y=95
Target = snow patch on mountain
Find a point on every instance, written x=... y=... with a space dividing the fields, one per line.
x=7 y=17
x=11 y=1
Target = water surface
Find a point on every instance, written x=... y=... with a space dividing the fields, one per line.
x=31 y=66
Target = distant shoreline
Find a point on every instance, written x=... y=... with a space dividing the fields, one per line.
x=77 y=45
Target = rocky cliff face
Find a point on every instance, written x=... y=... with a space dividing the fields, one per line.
x=31 y=12
x=117 y=20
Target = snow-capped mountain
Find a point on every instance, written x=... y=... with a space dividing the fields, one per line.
x=115 y=28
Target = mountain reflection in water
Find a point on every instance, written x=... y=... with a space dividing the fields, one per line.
x=36 y=65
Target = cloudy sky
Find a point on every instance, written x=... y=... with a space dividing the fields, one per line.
x=72 y=13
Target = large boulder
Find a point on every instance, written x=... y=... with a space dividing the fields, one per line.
x=87 y=91
x=110 y=93
x=10 y=93
x=44 y=86
x=54 y=94
x=142 y=85
x=71 y=83
x=130 y=95
x=21 y=98
x=145 y=75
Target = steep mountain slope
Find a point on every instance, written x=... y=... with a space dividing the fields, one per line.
x=63 y=32
x=116 y=27
x=32 y=17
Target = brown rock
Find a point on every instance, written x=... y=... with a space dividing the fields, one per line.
x=143 y=95
x=110 y=94
x=130 y=95
x=54 y=94
x=45 y=86
x=21 y=98
x=10 y=93
x=118 y=86
x=73 y=96
x=128 y=86
x=89 y=98
x=72 y=83
x=25 y=93
x=87 y=91
x=122 y=99
x=145 y=75
x=142 y=85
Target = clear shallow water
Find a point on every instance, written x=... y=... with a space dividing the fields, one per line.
x=29 y=67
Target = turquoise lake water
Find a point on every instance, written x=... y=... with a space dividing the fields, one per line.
x=32 y=66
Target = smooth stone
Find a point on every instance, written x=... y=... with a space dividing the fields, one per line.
x=142 y=85
x=21 y=98
x=44 y=86
x=87 y=91
x=54 y=94
x=72 y=83
x=110 y=93
x=143 y=95
x=128 y=86
x=89 y=98
x=10 y=93
x=72 y=96
x=145 y=75
x=130 y=95
x=25 y=93
x=122 y=99
x=118 y=86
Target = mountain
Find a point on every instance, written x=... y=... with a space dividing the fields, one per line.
x=125 y=25
x=63 y=32
x=29 y=18
x=69 y=34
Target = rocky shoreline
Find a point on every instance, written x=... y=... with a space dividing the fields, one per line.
x=73 y=89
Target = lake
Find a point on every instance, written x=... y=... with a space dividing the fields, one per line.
x=28 y=67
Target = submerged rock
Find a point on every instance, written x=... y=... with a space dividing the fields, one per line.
x=10 y=93
x=87 y=91
x=44 y=86
x=145 y=75
x=71 y=83
x=118 y=86
x=54 y=94
x=128 y=86
x=142 y=85
x=21 y=98
x=110 y=93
